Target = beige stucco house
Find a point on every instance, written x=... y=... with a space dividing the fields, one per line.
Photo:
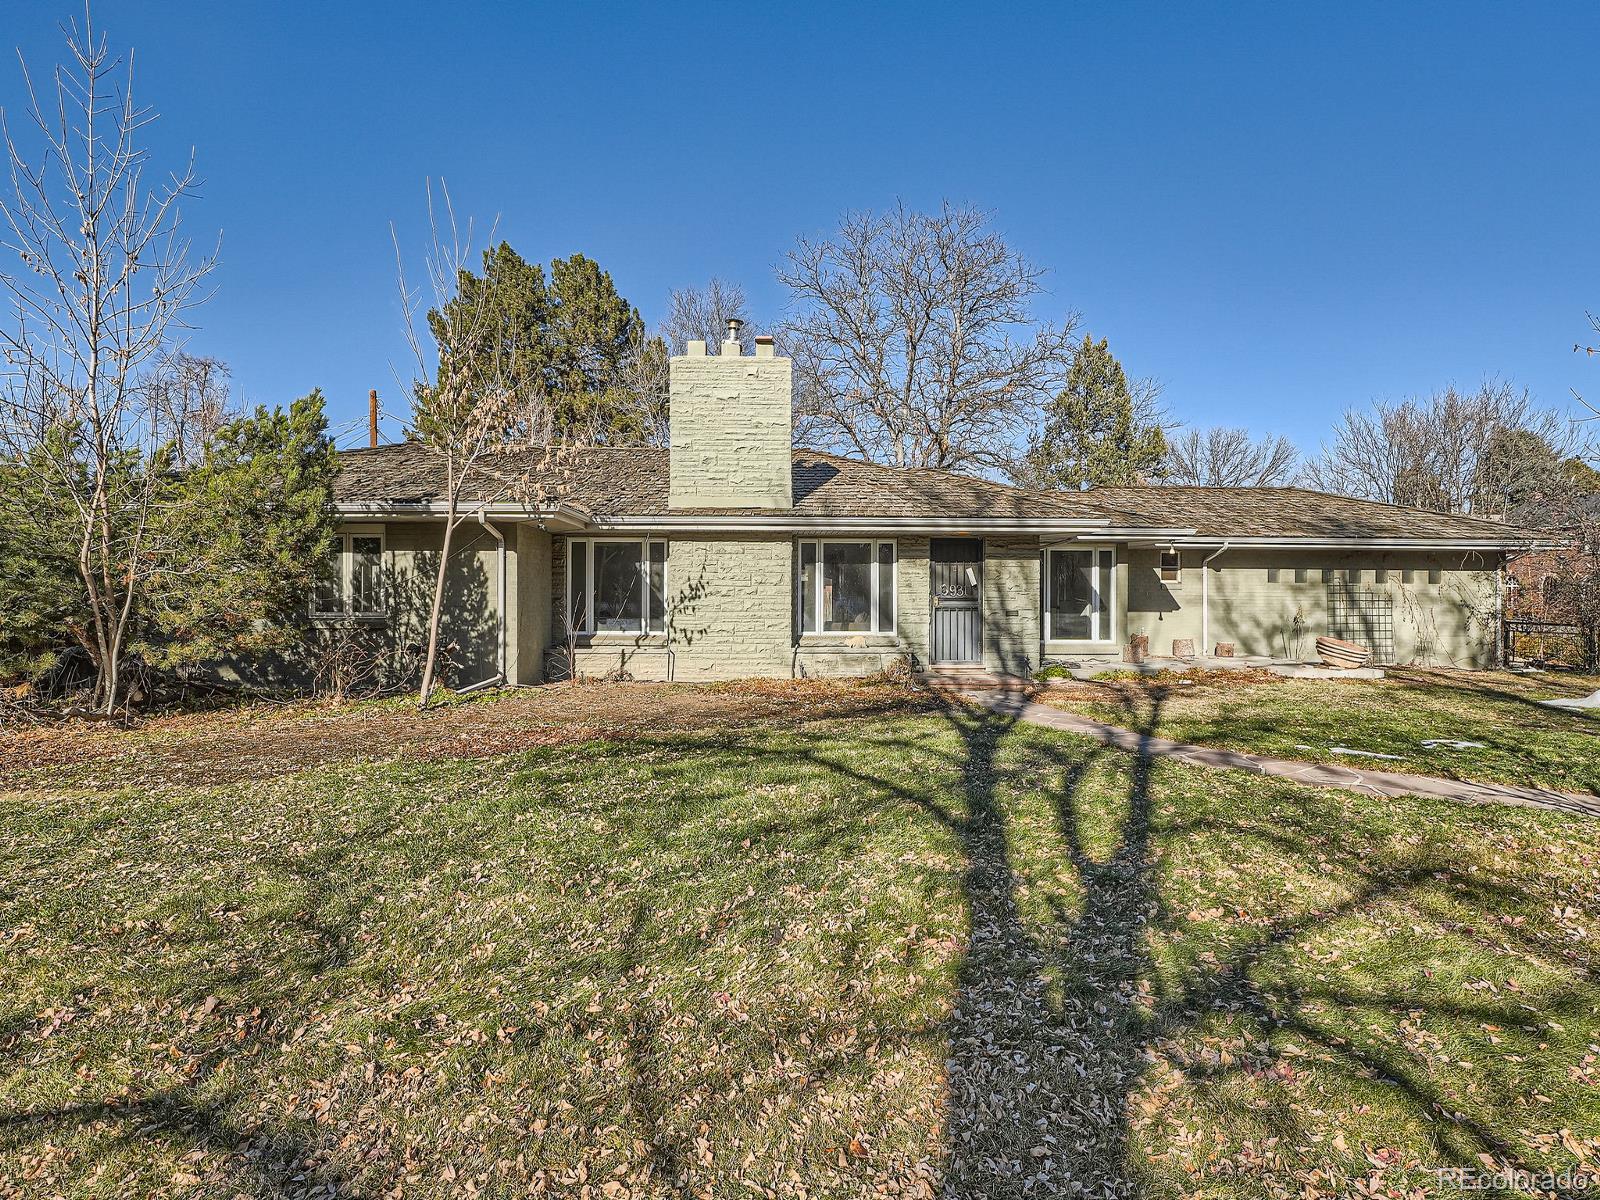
x=734 y=554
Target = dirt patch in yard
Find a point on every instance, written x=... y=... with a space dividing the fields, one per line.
x=1135 y=685
x=261 y=739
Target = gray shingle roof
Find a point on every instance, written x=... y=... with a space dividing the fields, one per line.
x=1296 y=512
x=632 y=482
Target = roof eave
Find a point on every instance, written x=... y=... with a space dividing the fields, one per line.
x=794 y=522
x=560 y=515
x=568 y=517
x=1362 y=543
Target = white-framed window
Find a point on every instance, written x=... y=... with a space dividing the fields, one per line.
x=617 y=585
x=353 y=584
x=1080 y=594
x=846 y=585
x=1171 y=566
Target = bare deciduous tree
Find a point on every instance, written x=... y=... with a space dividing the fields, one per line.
x=190 y=394
x=643 y=379
x=105 y=281
x=914 y=340
x=465 y=407
x=1221 y=456
x=1590 y=351
x=703 y=314
x=1483 y=452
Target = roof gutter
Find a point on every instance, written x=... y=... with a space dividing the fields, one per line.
x=570 y=517
x=433 y=508
x=1359 y=543
x=790 y=523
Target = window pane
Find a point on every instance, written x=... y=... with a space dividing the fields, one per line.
x=1103 y=599
x=847 y=586
x=808 y=587
x=577 y=585
x=366 y=575
x=329 y=597
x=658 y=586
x=618 y=595
x=886 y=587
x=1070 y=594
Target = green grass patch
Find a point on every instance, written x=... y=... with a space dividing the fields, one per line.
x=1519 y=741
x=905 y=953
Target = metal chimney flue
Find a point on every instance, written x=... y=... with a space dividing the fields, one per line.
x=734 y=325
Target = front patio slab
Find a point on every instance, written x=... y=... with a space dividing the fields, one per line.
x=1092 y=668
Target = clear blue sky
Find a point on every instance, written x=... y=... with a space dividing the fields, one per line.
x=1278 y=210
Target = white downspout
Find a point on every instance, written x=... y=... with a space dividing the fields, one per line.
x=1205 y=598
x=1500 y=658
x=500 y=623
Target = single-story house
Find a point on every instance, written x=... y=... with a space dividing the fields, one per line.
x=734 y=554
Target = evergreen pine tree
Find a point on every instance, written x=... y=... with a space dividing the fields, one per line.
x=1094 y=433
x=233 y=554
x=43 y=608
x=560 y=344
x=508 y=310
x=592 y=332
x=249 y=532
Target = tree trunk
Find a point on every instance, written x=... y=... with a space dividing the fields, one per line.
x=435 y=612
x=105 y=688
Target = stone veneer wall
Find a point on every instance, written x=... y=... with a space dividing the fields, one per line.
x=1449 y=623
x=732 y=602
x=1011 y=604
x=913 y=616
x=730 y=613
x=731 y=431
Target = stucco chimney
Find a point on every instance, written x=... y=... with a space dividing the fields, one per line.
x=731 y=428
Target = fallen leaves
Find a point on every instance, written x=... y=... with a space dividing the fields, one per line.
x=855 y=958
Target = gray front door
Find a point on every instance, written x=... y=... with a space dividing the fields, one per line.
x=955 y=575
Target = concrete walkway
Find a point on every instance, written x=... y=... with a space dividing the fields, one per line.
x=1015 y=703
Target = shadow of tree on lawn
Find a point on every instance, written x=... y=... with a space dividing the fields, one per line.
x=1045 y=1045
x=1055 y=1023
x=1061 y=1012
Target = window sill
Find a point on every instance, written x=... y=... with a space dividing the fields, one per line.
x=614 y=637
x=1062 y=644
x=349 y=618
x=842 y=635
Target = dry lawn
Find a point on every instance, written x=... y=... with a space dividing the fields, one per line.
x=796 y=941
